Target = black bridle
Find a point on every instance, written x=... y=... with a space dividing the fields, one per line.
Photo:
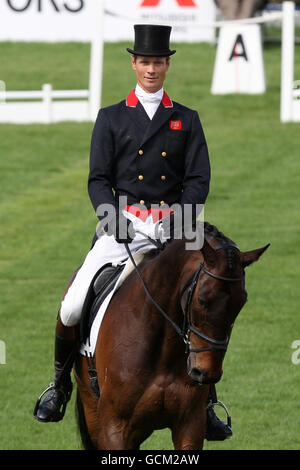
x=184 y=333
x=216 y=345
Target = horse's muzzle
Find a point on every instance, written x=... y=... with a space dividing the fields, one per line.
x=203 y=377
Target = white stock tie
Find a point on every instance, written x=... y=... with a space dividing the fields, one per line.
x=150 y=101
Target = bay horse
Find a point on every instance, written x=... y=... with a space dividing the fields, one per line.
x=155 y=367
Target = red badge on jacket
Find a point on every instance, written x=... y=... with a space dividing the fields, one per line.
x=175 y=125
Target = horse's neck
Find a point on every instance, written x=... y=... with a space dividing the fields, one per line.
x=169 y=273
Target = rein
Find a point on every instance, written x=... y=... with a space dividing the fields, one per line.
x=184 y=333
x=164 y=314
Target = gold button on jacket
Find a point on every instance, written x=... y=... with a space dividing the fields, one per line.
x=141 y=177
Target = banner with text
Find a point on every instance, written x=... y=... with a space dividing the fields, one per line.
x=70 y=20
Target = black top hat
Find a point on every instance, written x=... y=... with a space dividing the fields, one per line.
x=152 y=40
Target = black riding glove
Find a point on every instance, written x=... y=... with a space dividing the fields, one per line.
x=121 y=228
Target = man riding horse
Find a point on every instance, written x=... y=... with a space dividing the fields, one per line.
x=150 y=151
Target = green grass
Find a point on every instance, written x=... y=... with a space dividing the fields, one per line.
x=47 y=223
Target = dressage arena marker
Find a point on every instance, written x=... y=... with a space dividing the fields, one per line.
x=82 y=105
x=239 y=64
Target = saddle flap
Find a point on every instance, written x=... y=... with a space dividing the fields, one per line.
x=105 y=278
x=102 y=284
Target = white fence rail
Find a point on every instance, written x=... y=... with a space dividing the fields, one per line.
x=44 y=93
x=48 y=105
x=40 y=106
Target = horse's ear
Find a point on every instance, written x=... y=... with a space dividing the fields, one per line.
x=209 y=253
x=249 y=257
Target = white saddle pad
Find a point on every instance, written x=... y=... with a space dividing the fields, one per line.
x=90 y=346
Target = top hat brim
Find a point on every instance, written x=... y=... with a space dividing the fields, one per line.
x=151 y=53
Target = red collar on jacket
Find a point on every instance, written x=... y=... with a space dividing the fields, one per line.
x=132 y=100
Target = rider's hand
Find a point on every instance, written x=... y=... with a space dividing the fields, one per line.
x=121 y=228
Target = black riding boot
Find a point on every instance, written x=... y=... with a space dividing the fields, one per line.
x=58 y=393
x=216 y=430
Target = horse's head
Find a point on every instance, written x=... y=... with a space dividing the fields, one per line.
x=216 y=298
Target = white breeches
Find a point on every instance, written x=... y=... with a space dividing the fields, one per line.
x=105 y=250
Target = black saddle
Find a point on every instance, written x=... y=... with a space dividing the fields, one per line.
x=102 y=284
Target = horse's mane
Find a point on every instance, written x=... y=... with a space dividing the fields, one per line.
x=210 y=232
x=213 y=231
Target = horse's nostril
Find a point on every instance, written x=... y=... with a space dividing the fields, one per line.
x=198 y=375
x=203 y=377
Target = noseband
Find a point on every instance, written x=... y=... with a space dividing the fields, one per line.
x=184 y=333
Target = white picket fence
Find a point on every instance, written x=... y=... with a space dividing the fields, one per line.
x=48 y=105
x=45 y=106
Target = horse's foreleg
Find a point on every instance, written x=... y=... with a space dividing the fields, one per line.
x=86 y=406
x=117 y=432
x=189 y=435
x=114 y=435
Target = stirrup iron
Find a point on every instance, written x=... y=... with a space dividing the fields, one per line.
x=62 y=410
x=212 y=404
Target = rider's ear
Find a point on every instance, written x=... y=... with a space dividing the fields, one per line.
x=248 y=257
x=209 y=254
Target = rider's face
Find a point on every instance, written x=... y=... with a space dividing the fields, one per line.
x=150 y=71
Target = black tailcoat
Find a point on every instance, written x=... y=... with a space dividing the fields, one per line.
x=163 y=160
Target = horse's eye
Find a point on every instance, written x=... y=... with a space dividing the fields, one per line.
x=202 y=302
